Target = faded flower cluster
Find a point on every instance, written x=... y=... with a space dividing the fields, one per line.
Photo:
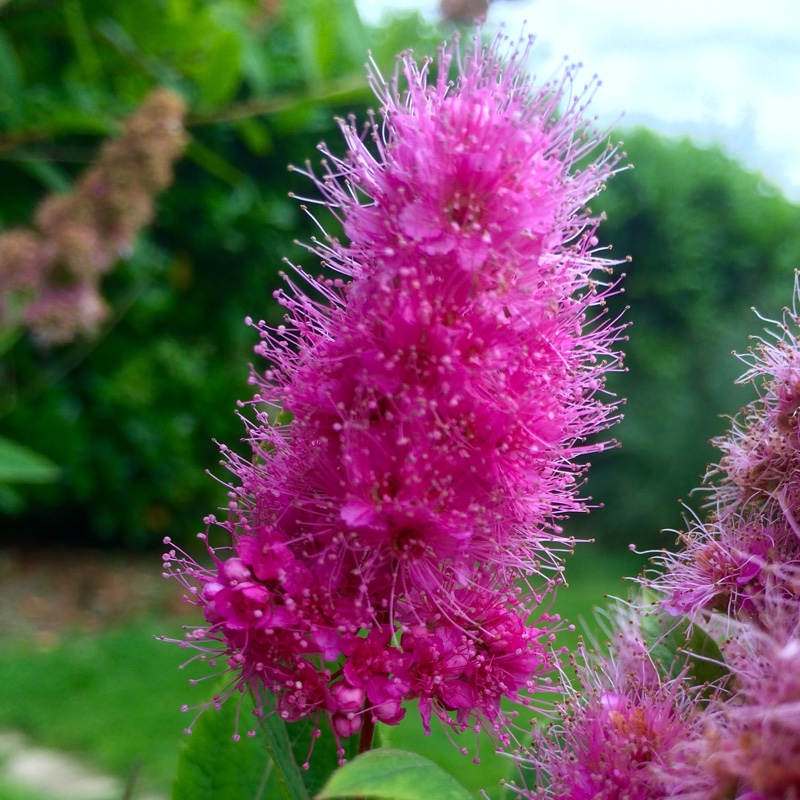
x=413 y=439
x=734 y=586
x=50 y=274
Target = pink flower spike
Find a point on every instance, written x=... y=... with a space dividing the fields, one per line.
x=415 y=435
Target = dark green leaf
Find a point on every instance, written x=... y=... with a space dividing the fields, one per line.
x=279 y=745
x=676 y=646
x=212 y=765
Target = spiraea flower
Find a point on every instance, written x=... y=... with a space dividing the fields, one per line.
x=737 y=576
x=760 y=462
x=749 y=747
x=414 y=437
x=727 y=565
x=750 y=543
x=620 y=724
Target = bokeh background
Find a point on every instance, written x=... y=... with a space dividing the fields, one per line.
x=107 y=441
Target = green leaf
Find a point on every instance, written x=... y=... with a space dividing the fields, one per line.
x=81 y=37
x=50 y=175
x=19 y=464
x=11 y=502
x=279 y=745
x=217 y=71
x=214 y=164
x=393 y=775
x=11 y=87
x=213 y=767
x=481 y=779
x=256 y=135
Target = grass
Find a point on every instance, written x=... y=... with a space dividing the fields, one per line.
x=113 y=699
x=13 y=791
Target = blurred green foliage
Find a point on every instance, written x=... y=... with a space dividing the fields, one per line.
x=131 y=417
x=709 y=242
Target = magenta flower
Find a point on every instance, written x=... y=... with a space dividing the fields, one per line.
x=728 y=565
x=738 y=577
x=751 y=541
x=619 y=728
x=761 y=454
x=750 y=744
x=414 y=440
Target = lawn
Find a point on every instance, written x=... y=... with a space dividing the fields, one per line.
x=113 y=698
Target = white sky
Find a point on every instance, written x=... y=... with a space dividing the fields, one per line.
x=724 y=71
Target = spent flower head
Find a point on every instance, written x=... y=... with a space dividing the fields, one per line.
x=50 y=277
x=749 y=746
x=620 y=724
x=750 y=543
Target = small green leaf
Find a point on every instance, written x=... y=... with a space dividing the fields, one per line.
x=81 y=38
x=393 y=775
x=213 y=767
x=214 y=164
x=256 y=135
x=19 y=464
x=217 y=71
x=706 y=663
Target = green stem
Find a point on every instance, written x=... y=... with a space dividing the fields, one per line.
x=279 y=747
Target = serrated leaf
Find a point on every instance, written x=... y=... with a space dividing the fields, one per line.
x=393 y=775
x=213 y=767
x=19 y=464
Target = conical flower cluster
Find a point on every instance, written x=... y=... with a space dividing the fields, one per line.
x=414 y=438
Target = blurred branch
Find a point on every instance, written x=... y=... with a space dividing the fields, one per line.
x=52 y=153
x=335 y=92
